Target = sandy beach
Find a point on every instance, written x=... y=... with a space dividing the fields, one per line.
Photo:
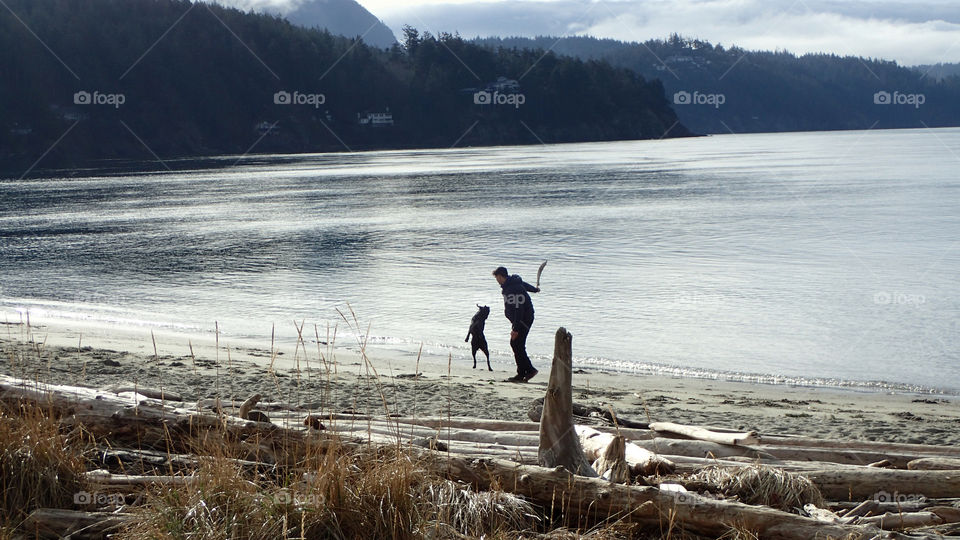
x=335 y=378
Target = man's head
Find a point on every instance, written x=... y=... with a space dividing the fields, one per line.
x=501 y=274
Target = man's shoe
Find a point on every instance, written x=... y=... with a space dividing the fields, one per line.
x=515 y=378
x=530 y=374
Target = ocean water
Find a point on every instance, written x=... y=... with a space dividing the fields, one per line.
x=806 y=258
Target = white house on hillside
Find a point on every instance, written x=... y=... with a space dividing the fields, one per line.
x=375 y=119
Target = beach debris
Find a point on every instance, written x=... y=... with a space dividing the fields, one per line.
x=853 y=482
x=641 y=461
x=559 y=444
x=559 y=492
x=612 y=463
x=763 y=485
x=704 y=434
x=902 y=520
x=493 y=459
x=934 y=464
x=258 y=416
x=821 y=514
x=589 y=414
x=702 y=449
x=471 y=512
x=313 y=422
x=248 y=406
x=949 y=514
x=430 y=443
x=146 y=391
x=63 y=523
x=863 y=509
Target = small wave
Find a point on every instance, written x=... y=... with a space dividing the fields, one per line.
x=110 y=316
x=646 y=368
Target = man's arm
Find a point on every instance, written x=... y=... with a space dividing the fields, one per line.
x=530 y=288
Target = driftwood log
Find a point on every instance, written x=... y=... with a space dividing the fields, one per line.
x=851 y=483
x=559 y=444
x=902 y=520
x=934 y=464
x=59 y=523
x=601 y=499
x=703 y=434
x=138 y=421
x=640 y=460
x=150 y=392
x=699 y=448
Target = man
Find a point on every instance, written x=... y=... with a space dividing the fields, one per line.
x=518 y=309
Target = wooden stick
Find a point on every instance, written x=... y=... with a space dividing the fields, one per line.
x=540 y=272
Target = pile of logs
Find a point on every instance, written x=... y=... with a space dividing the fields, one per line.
x=871 y=490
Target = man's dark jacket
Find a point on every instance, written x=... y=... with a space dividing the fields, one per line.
x=517 y=305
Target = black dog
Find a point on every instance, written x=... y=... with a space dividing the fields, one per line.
x=479 y=341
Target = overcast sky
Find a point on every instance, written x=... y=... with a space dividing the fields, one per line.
x=911 y=32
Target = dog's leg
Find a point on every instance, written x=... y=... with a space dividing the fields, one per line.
x=486 y=351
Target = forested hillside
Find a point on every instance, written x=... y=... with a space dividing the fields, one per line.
x=155 y=79
x=719 y=90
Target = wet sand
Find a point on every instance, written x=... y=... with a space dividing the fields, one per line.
x=333 y=379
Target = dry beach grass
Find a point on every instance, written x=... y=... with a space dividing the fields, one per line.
x=338 y=490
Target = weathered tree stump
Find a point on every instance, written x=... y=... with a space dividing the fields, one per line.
x=559 y=444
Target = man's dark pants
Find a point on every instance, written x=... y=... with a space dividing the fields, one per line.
x=519 y=346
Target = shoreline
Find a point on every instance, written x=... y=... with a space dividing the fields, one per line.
x=108 y=334
x=336 y=378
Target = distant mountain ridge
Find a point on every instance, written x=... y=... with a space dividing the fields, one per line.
x=343 y=17
x=721 y=90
